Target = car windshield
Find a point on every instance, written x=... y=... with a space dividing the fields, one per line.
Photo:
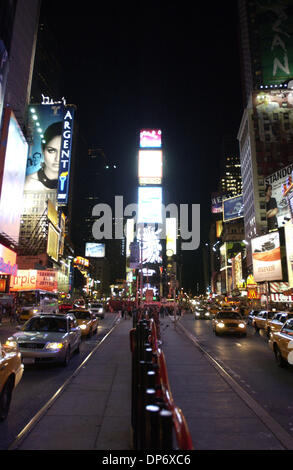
x=288 y=326
x=97 y=306
x=49 y=324
x=232 y=315
x=271 y=314
x=82 y=315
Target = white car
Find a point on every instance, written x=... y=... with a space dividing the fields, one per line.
x=97 y=309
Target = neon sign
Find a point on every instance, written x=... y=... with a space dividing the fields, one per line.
x=65 y=157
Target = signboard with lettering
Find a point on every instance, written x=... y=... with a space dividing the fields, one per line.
x=65 y=157
x=33 y=279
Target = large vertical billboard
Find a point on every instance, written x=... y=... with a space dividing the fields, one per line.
x=13 y=157
x=150 y=167
x=171 y=236
x=278 y=210
x=150 y=205
x=274 y=22
x=48 y=165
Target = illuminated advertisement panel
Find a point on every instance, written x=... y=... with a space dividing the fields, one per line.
x=46 y=122
x=95 y=250
x=7 y=261
x=275 y=198
x=34 y=280
x=150 y=166
x=151 y=251
x=12 y=175
x=65 y=157
x=274 y=23
x=289 y=251
x=266 y=258
x=149 y=205
x=217 y=203
x=238 y=270
x=151 y=138
x=171 y=236
x=232 y=208
x=53 y=242
x=129 y=235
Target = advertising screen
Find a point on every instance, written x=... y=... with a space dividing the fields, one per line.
x=7 y=261
x=129 y=235
x=150 y=138
x=276 y=200
x=13 y=168
x=150 y=166
x=34 y=280
x=289 y=251
x=217 y=203
x=53 y=242
x=266 y=258
x=237 y=271
x=151 y=245
x=65 y=156
x=95 y=250
x=171 y=236
x=149 y=205
x=232 y=208
x=274 y=23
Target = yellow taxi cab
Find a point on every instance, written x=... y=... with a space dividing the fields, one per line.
x=214 y=309
x=261 y=320
x=277 y=322
x=281 y=342
x=228 y=322
x=11 y=370
x=87 y=321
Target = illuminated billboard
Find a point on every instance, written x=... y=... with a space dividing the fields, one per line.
x=95 y=250
x=149 y=205
x=275 y=198
x=129 y=235
x=151 y=138
x=53 y=242
x=7 y=261
x=266 y=258
x=171 y=236
x=233 y=208
x=217 y=203
x=65 y=156
x=289 y=251
x=13 y=159
x=151 y=251
x=33 y=279
x=150 y=166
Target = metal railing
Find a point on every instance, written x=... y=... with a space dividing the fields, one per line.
x=157 y=423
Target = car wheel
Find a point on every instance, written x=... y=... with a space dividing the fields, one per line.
x=279 y=359
x=5 y=398
x=67 y=357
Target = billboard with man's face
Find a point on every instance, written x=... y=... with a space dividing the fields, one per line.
x=278 y=210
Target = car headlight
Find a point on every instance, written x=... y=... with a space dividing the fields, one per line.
x=83 y=327
x=197 y=314
x=54 y=346
x=10 y=344
x=221 y=325
x=241 y=325
x=35 y=310
x=100 y=310
x=207 y=314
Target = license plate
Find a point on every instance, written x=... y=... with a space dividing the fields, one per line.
x=28 y=360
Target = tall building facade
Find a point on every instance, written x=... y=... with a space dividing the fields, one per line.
x=266 y=131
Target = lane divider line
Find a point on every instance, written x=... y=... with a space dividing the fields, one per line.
x=38 y=416
x=273 y=426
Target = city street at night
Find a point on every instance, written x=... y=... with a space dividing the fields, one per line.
x=146 y=230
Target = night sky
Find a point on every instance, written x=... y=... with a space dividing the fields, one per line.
x=168 y=65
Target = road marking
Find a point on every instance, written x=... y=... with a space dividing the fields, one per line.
x=38 y=416
x=274 y=427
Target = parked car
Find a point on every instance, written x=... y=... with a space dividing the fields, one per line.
x=11 y=370
x=281 y=342
x=98 y=309
x=277 y=322
x=260 y=321
x=251 y=316
x=87 y=321
x=48 y=338
x=228 y=322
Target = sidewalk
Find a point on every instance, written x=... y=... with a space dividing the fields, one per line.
x=94 y=410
